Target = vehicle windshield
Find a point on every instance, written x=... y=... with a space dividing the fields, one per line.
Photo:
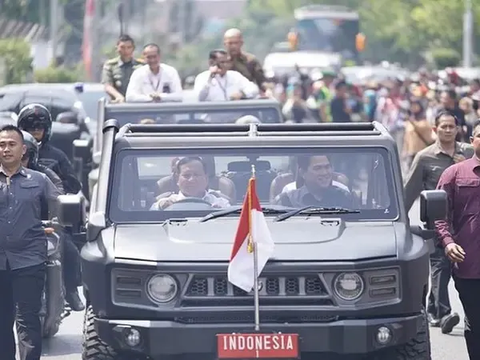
x=330 y=35
x=157 y=185
x=177 y=116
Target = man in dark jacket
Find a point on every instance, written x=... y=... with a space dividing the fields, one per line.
x=36 y=120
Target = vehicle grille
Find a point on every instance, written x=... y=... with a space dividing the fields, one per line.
x=250 y=319
x=270 y=286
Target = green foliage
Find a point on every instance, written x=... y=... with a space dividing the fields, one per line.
x=28 y=10
x=396 y=30
x=60 y=74
x=445 y=57
x=18 y=62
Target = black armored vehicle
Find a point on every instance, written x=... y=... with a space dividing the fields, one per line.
x=347 y=277
x=88 y=156
x=69 y=118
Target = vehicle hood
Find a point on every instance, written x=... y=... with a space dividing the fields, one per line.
x=212 y=241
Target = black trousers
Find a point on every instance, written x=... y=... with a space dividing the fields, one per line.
x=440 y=273
x=21 y=289
x=71 y=264
x=469 y=293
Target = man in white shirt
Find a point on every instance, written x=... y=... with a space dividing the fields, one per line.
x=220 y=84
x=154 y=82
x=192 y=183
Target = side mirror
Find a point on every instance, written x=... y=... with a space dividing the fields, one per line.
x=72 y=212
x=433 y=206
x=360 y=42
x=81 y=149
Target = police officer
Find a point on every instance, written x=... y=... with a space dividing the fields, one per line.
x=117 y=71
x=36 y=120
x=23 y=247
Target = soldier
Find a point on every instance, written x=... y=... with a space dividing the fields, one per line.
x=117 y=71
x=245 y=63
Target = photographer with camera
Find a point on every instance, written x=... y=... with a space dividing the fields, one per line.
x=219 y=83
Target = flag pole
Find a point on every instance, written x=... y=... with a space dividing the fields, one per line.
x=253 y=248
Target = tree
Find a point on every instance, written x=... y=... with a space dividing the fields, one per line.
x=59 y=74
x=18 y=62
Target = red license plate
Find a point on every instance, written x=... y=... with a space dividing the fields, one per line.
x=257 y=346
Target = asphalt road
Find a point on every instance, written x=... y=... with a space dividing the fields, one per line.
x=66 y=345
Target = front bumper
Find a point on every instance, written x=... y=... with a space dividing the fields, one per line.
x=164 y=338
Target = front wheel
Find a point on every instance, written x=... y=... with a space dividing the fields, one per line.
x=93 y=348
x=417 y=348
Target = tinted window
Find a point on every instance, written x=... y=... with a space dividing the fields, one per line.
x=363 y=179
x=10 y=102
x=55 y=102
x=331 y=35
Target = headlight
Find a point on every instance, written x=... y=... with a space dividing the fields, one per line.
x=162 y=288
x=349 y=286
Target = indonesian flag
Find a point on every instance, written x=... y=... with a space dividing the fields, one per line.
x=252 y=234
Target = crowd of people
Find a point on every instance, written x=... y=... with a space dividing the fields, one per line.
x=406 y=106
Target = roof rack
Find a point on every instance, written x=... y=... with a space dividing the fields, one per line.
x=112 y=108
x=347 y=129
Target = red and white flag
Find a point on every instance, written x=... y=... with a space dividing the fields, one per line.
x=252 y=229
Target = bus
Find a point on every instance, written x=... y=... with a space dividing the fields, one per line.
x=329 y=29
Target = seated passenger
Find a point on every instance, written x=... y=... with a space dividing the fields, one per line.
x=318 y=188
x=192 y=183
x=293 y=186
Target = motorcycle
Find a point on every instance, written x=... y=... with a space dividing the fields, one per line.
x=53 y=309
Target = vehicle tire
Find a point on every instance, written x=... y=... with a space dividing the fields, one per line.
x=93 y=348
x=416 y=349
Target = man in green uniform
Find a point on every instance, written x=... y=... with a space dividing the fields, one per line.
x=245 y=63
x=117 y=71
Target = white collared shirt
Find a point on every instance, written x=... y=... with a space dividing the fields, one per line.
x=211 y=196
x=221 y=88
x=143 y=83
x=293 y=186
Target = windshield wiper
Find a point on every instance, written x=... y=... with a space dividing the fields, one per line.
x=313 y=210
x=238 y=210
